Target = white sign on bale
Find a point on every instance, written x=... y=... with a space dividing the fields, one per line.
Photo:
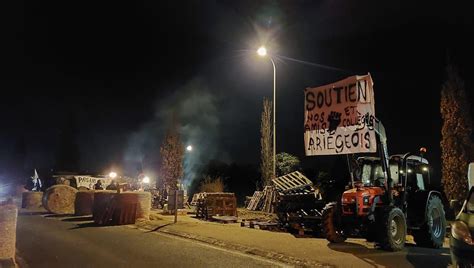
x=88 y=181
x=339 y=117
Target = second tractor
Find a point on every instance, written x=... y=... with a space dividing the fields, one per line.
x=390 y=197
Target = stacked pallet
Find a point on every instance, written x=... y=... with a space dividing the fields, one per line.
x=263 y=200
x=201 y=209
x=216 y=204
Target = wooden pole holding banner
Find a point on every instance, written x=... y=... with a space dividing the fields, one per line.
x=349 y=165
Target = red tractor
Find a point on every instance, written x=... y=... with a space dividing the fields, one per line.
x=390 y=198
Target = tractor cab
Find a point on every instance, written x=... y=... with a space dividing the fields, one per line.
x=416 y=168
x=369 y=172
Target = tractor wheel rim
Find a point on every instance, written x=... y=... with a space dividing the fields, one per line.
x=393 y=228
x=435 y=221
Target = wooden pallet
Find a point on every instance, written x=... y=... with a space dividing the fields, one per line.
x=270 y=198
x=257 y=195
x=213 y=204
x=262 y=225
x=225 y=219
x=291 y=182
x=263 y=200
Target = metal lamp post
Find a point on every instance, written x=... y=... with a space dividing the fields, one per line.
x=262 y=51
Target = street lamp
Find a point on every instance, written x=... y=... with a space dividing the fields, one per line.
x=262 y=52
x=189 y=148
x=112 y=175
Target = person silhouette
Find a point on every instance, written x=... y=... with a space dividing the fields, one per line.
x=98 y=185
x=112 y=186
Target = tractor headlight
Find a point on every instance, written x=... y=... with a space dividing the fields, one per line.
x=460 y=231
x=365 y=200
x=348 y=200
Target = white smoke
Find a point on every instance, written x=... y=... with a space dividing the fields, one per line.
x=196 y=109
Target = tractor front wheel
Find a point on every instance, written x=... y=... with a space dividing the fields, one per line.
x=393 y=230
x=332 y=223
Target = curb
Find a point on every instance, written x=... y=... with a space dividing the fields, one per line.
x=238 y=247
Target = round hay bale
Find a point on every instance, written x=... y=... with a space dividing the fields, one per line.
x=8 y=218
x=31 y=200
x=144 y=205
x=84 y=203
x=59 y=199
x=101 y=200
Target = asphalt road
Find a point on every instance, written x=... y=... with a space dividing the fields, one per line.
x=48 y=241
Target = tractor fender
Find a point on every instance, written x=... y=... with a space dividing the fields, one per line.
x=423 y=197
x=441 y=196
x=372 y=208
x=430 y=194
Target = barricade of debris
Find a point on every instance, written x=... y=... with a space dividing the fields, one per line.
x=295 y=201
x=300 y=203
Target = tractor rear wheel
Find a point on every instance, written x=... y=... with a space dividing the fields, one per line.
x=392 y=230
x=433 y=231
x=332 y=223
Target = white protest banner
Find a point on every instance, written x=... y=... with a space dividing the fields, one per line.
x=88 y=181
x=339 y=117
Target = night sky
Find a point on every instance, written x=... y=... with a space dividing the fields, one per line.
x=121 y=70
